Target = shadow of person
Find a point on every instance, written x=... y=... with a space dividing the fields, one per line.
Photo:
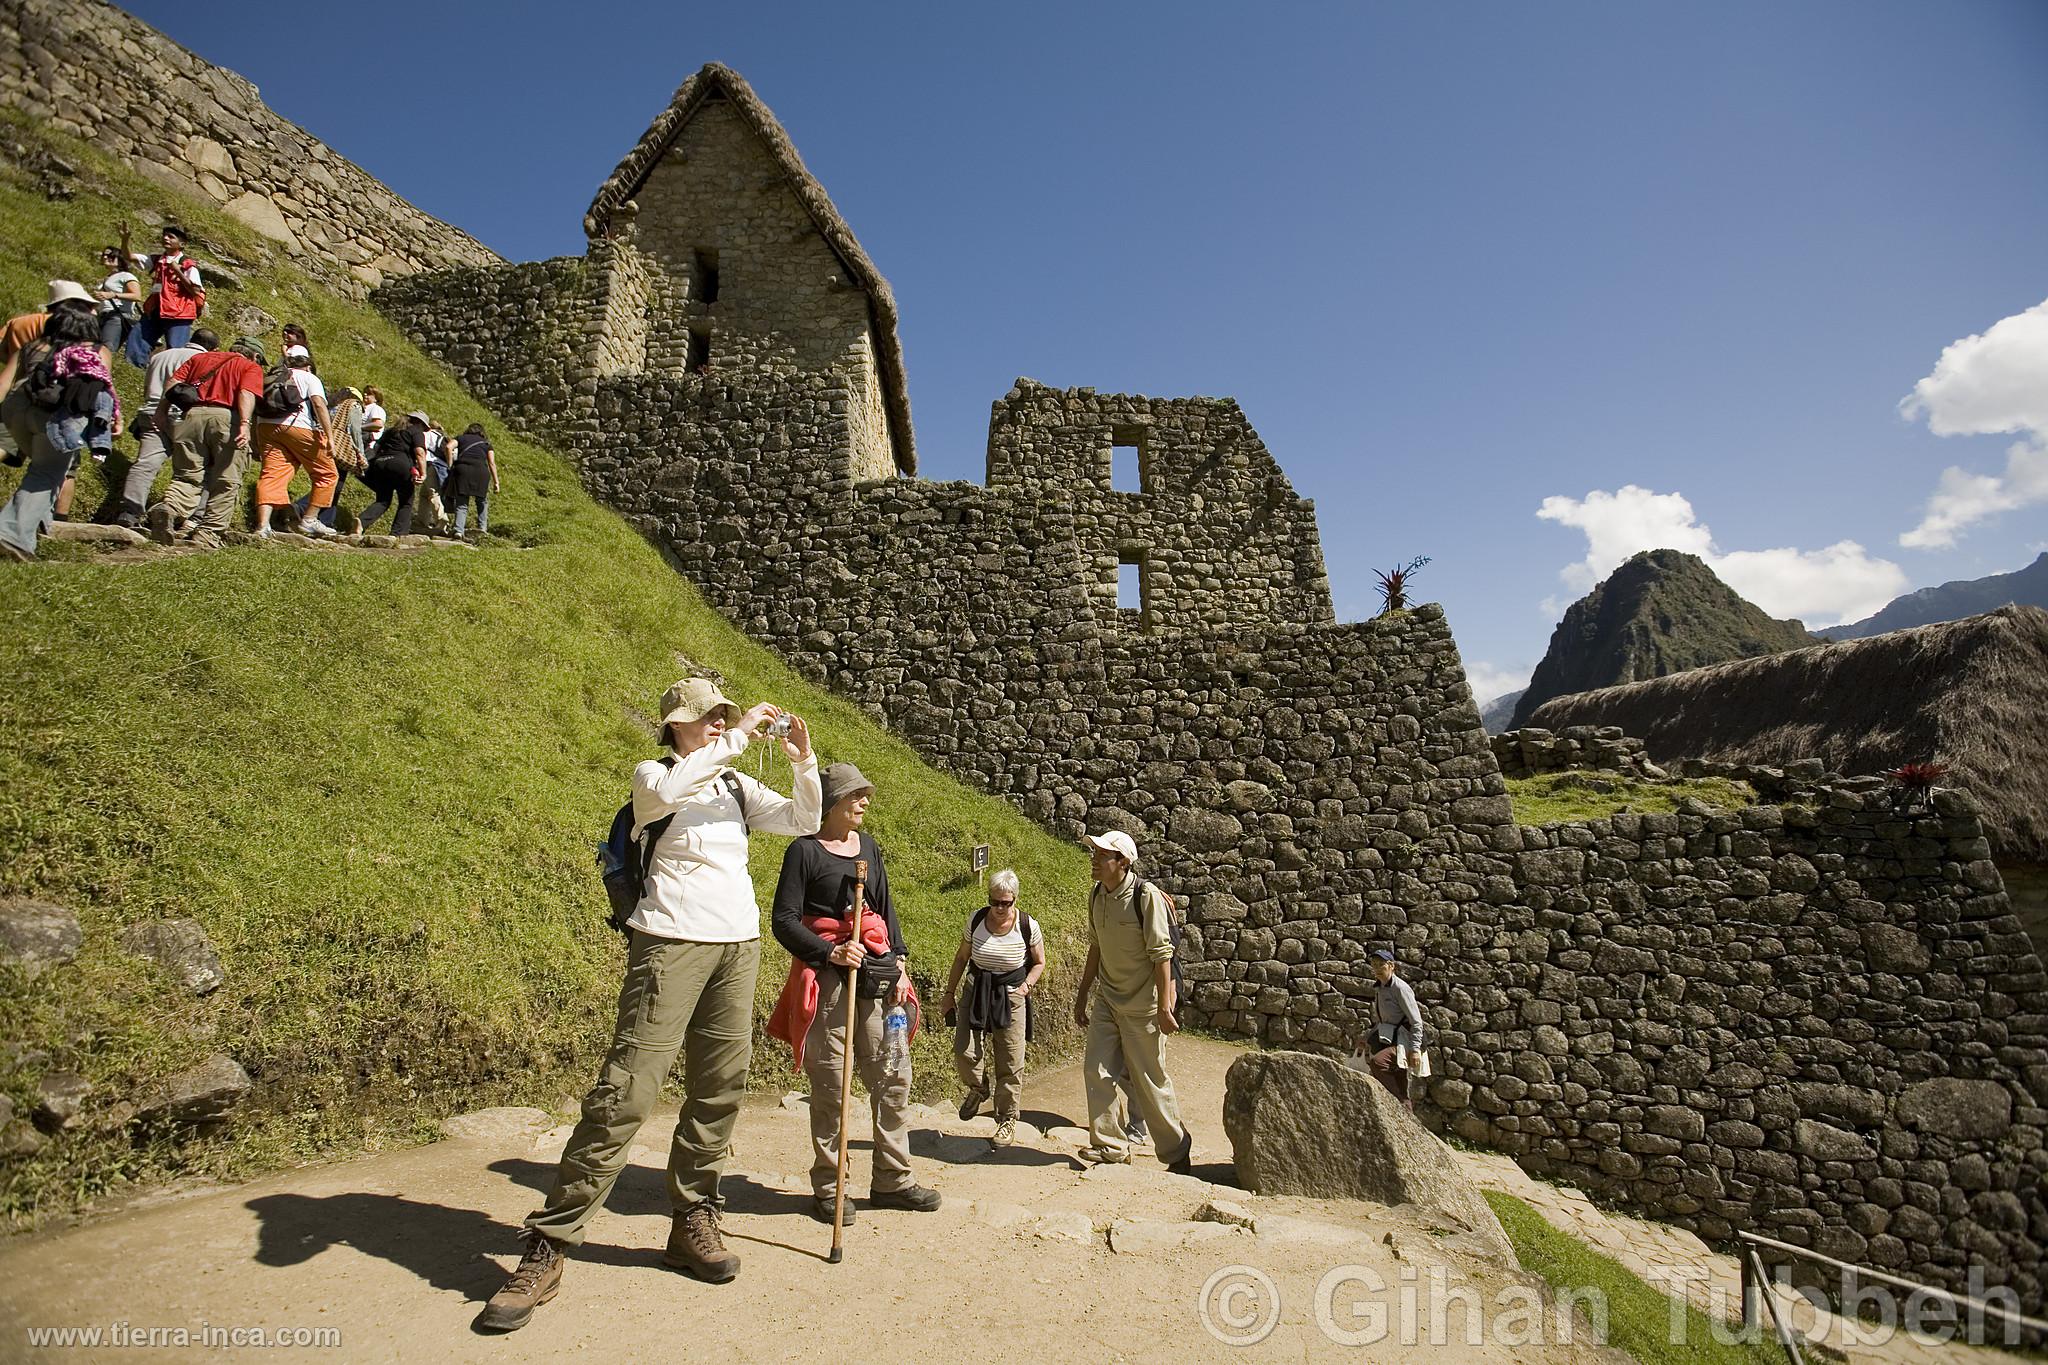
x=1042 y=1119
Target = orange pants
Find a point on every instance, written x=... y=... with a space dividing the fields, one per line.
x=285 y=449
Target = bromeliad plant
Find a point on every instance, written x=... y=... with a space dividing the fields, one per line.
x=1394 y=585
x=1913 y=783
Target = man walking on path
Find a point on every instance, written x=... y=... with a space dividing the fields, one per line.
x=689 y=988
x=131 y=495
x=210 y=445
x=1399 y=1035
x=1130 y=955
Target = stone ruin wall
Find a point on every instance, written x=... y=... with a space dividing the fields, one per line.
x=103 y=76
x=1814 y=1018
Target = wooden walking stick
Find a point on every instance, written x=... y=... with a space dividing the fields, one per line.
x=860 y=886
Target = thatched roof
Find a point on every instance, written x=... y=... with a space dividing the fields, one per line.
x=1971 y=693
x=714 y=81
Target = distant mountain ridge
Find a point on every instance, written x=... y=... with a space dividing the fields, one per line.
x=1661 y=612
x=1953 y=601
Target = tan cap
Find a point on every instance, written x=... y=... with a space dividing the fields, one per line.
x=695 y=698
x=840 y=781
x=1117 y=842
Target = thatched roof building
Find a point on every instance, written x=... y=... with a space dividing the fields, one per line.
x=718 y=82
x=1972 y=694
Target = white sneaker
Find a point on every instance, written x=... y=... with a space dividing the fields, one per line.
x=315 y=528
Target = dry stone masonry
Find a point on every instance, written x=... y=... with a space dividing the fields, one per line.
x=1816 y=1017
x=106 y=77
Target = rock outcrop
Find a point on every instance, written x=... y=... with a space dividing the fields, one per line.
x=1303 y=1124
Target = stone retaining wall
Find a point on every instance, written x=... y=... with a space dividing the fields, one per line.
x=106 y=77
x=1529 y=752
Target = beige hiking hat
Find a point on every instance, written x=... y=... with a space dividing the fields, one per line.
x=1117 y=842
x=695 y=698
x=67 y=291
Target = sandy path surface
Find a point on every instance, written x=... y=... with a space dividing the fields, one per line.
x=1031 y=1256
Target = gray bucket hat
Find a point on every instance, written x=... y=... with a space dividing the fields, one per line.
x=840 y=781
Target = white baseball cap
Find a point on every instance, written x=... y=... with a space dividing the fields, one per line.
x=1117 y=842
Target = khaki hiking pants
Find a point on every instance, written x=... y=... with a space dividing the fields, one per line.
x=992 y=1062
x=692 y=998
x=1127 y=1040
x=888 y=1101
x=204 y=456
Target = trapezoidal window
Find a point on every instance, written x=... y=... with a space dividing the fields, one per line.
x=705 y=263
x=1134 y=590
x=700 y=350
x=1129 y=469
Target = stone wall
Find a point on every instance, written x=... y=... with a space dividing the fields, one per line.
x=1792 y=1018
x=1529 y=752
x=106 y=77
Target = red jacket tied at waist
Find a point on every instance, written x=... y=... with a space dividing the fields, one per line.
x=798 y=1004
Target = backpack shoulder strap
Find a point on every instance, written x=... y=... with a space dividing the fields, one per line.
x=1138 y=885
x=739 y=796
x=655 y=829
x=1024 y=927
x=980 y=916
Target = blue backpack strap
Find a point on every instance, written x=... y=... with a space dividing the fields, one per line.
x=653 y=832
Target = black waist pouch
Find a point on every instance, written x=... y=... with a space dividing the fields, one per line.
x=877 y=976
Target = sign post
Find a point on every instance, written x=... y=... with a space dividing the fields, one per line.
x=980 y=861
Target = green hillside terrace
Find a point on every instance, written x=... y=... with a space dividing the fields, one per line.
x=376 y=779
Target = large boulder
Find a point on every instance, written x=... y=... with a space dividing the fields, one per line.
x=1306 y=1125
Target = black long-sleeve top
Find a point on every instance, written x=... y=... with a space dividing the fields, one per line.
x=817 y=882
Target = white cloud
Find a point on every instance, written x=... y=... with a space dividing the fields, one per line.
x=1489 y=682
x=1821 y=587
x=1988 y=384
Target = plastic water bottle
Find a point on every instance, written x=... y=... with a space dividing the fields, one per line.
x=896 y=1043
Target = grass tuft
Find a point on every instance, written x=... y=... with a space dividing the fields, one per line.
x=1552 y=798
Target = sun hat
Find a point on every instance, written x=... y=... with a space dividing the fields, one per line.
x=1117 y=842
x=693 y=699
x=297 y=353
x=67 y=291
x=840 y=781
x=424 y=421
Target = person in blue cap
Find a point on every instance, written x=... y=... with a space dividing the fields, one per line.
x=1398 y=1038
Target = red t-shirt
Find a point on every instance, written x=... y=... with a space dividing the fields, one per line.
x=221 y=375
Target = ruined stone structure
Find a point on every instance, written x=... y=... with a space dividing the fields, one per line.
x=1815 y=1017
x=103 y=75
x=1797 y=1017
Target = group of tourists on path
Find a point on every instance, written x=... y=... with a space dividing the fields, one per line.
x=693 y=961
x=211 y=412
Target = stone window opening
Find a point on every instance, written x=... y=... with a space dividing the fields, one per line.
x=1129 y=466
x=699 y=359
x=704 y=261
x=1134 y=588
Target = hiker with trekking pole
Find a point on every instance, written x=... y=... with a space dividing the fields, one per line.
x=675 y=871
x=849 y=983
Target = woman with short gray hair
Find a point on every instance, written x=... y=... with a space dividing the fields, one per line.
x=1003 y=954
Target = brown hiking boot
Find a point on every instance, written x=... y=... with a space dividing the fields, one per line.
x=538 y=1279
x=695 y=1246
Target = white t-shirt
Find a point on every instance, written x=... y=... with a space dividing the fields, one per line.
x=117 y=283
x=309 y=386
x=1000 y=953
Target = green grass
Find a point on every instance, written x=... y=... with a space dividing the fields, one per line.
x=376 y=781
x=1639 y=1316
x=1553 y=797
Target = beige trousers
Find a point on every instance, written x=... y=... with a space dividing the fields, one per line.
x=997 y=1051
x=691 y=998
x=1129 y=1041
x=888 y=1100
x=204 y=455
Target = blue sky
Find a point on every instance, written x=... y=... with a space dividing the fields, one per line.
x=1520 y=287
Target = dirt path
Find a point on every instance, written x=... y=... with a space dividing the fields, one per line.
x=1030 y=1256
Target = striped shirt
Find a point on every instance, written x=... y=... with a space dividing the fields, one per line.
x=998 y=954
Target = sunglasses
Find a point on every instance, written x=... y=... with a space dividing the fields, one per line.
x=1001 y=905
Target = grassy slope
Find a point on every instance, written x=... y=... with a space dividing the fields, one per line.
x=1549 y=798
x=375 y=780
x=1639 y=1315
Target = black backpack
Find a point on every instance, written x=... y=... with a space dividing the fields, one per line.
x=280 y=396
x=38 y=374
x=622 y=862
x=1173 y=935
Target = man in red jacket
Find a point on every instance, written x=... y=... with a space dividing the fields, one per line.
x=210 y=445
x=176 y=296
